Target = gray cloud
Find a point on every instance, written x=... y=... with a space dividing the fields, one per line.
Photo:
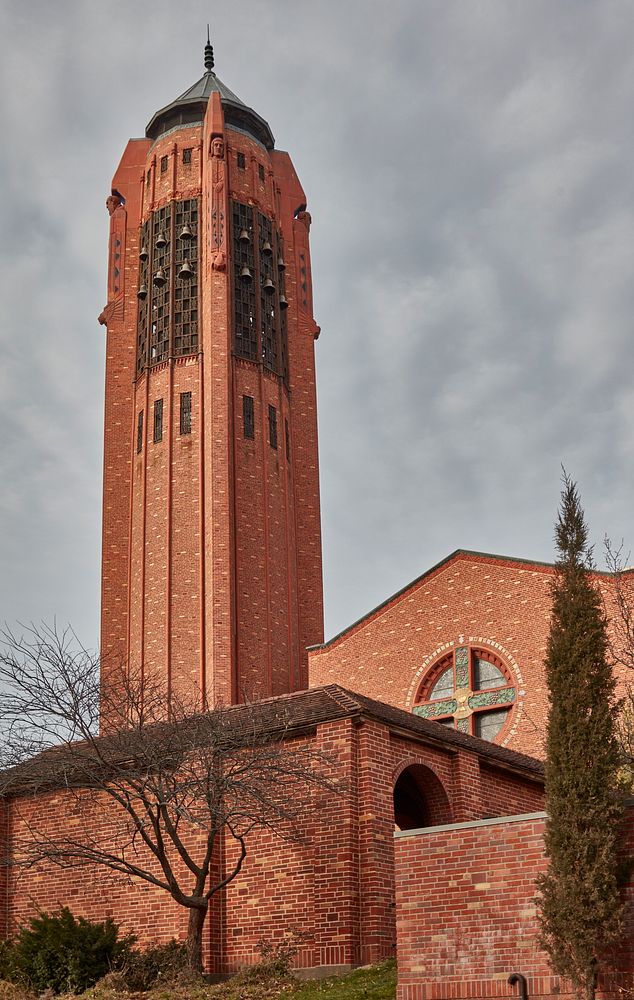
x=468 y=168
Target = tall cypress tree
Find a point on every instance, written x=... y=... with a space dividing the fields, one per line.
x=580 y=906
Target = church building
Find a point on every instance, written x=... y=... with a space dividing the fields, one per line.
x=433 y=705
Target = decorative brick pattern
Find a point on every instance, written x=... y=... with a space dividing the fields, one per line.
x=469 y=918
x=472 y=599
x=332 y=879
x=212 y=548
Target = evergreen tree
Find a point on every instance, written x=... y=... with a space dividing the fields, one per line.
x=580 y=906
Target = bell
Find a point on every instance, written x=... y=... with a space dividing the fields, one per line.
x=268 y=286
x=281 y=266
x=143 y=254
x=245 y=275
x=159 y=278
x=283 y=302
x=244 y=236
x=142 y=292
x=185 y=271
x=267 y=249
x=186 y=233
x=161 y=240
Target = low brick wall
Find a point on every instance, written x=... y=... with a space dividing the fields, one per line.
x=466 y=915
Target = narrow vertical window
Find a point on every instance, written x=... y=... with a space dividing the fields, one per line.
x=149 y=176
x=272 y=427
x=163 y=164
x=242 y=161
x=261 y=172
x=158 y=420
x=288 y=440
x=248 y=423
x=186 y=412
x=139 y=433
x=187 y=155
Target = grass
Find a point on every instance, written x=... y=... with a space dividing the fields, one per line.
x=376 y=982
x=263 y=982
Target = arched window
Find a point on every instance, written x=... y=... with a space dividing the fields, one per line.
x=470 y=689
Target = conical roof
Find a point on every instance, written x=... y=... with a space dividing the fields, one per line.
x=190 y=107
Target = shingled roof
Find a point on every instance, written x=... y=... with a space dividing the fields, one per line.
x=284 y=716
x=331 y=702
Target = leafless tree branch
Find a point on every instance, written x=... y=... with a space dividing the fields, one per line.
x=171 y=786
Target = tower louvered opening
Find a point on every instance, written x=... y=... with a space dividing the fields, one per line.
x=167 y=325
x=260 y=331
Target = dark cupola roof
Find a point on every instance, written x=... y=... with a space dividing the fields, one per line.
x=190 y=107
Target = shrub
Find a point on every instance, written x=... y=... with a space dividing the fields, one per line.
x=166 y=963
x=60 y=952
x=277 y=956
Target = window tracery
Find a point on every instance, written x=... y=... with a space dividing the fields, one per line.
x=470 y=689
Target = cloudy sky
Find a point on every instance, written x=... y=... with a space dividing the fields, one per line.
x=469 y=172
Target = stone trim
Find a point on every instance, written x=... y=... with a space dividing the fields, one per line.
x=521 y=818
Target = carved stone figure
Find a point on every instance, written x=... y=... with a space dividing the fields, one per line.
x=112 y=203
x=305 y=218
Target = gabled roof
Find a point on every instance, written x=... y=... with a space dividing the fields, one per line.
x=284 y=716
x=468 y=554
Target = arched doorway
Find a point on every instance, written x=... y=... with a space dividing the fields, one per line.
x=420 y=799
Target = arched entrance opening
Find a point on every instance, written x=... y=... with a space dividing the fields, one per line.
x=420 y=799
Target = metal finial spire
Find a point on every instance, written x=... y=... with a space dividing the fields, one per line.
x=209 y=54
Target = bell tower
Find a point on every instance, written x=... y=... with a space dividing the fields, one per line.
x=211 y=561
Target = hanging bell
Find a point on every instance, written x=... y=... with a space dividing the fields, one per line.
x=281 y=266
x=186 y=233
x=159 y=278
x=143 y=254
x=142 y=292
x=268 y=286
x=267 y=249
x=283 y=302
x=244 y=236
x=245 y=275
x=161 y=241
x=185 y=271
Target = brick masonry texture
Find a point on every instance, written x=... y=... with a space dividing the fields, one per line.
x=333 y=879
x=212 y=547
x=501 y=604
x=466 y=914
x=212 y=584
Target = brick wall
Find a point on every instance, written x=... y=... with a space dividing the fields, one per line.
x=120 y=319
x=331 y=877
x=502 y=604
x=466 y=914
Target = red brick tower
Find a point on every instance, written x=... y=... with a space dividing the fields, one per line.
x=211 y=576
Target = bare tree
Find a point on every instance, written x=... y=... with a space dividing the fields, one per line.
x=620 y=611
x=172 y=787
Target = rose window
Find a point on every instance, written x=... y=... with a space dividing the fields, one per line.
x=469 y=689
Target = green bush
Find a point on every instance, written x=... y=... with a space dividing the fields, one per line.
x=165 y=963
x=60 y=952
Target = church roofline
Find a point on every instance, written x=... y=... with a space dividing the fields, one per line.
x=284 y=716
x=470 y=554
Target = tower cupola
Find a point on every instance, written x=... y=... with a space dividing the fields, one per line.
x=189 y=109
